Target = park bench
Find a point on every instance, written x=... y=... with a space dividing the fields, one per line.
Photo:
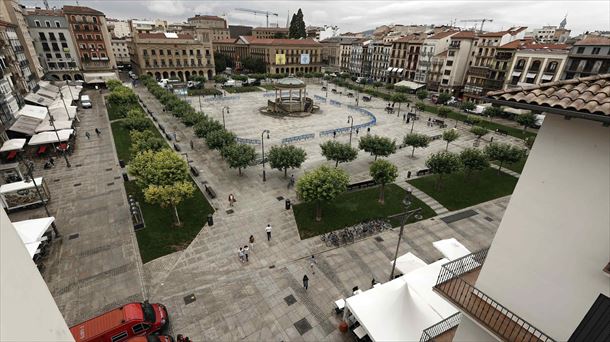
x=366 y=98
x=333 y=90
x=210 y=191
x=436 y=137
x=361 y=185
x=350 y=94
x=423 y=172
x=153 y=117
x=194 y=171
x=323 y=88
x=162 y=128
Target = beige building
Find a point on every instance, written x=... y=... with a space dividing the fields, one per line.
x=345 y=51
x=11 y=11
x=456 y=64
x=172 y=55
x=120 y=49
x=270 y=32
x=118 y=28
x=331 y=54
x=536 y=63
x=589 y=56
x=431 y=51
x=404 y=58
x=217 y=26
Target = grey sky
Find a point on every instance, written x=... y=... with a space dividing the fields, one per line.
x=358 y=15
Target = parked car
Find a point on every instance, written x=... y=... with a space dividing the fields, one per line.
x=85 y=101
x=129 y=320
x=151 y=338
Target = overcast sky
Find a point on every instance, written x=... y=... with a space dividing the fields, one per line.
x=355 y=15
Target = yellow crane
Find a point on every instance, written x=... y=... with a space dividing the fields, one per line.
x=482 y=21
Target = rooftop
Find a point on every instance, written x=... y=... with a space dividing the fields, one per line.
x=443 y=34
x=277 y=29
x=279 y=41
x=603 y=41
x=290 y=82
x=590 y=95
x=164 y=35
x=515 y=44
x=50 y=13
x=410 y=39
x=464 y=35
x=81 y=10
x=206 y=17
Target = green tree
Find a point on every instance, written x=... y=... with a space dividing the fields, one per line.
x=420 y=105
x=145 y=141
x=468 y=105
x=219 y=139
x=383 y=172
x=473 y=159
x=158 y=168
x=443 y=111
x=222 y=62
x=122 y=96
x=450 y=136
x=504 y=153
x=377 y=145
x=338 y=152
x=239 y=156
x=254 y=64
x=479 y=131
x=321 y=185
x=113 y=84
x=400 y=98
x=297 y=26
x=206 y=126
x=526 y=120
x=220 y=79
x=377 y=84
x=286 y=156
x=137 y=120
x=279 y=35
x=416 y=140
x=402 y=89
x=492 y=111
x=443 y=163
x=389 y=86
x=443 y=98
x=422 y=94
x=169 y=196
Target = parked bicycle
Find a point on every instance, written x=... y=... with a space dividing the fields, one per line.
x=358 y=231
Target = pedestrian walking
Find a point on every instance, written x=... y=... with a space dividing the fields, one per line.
x=312 y=263
x=231 y=200
x=305 y=282
x=97 y=131
x=247 y=252
x=291 y=181
x=404 y=117
x=429 y=122
x=334 y=134
x=52 y=161
x=241 y=254
x=373 y=282
x=88 y=135
x=251 y=242
x=268 y=230
x=356 y=131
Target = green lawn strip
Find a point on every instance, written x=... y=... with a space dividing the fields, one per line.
x=517 y=167
x=160 y=237
x=204 y=91
x=353 y=207
x=458 y=192
x=268 y=86
x=122 y=140
x=116 y=112
x=245 y=89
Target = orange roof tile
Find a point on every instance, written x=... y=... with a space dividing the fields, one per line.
x=443 y=34
x=464 y=35
x=593 y=41
x=81 y=10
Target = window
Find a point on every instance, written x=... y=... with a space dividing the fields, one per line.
x=37 y=23
x=520 y=64
x=100 y=46
x=82 y=46
x=447 y=72
x=91 y=46
x=49 y=55
x=596 y=51
x=47 y=23
x=451 y=53
x=580 y=50
x=160 y=52
x=67 y=55
x=98 y=37
x=535 y=66
x=57 y=24
x=94 y=20
x=61 y=36
x=64 y=45
x=89 y=37
x=58 y=55
x=42 y=36
x=45 y=47
x=449 y=63
x=552 y=67
x=119 y=337
x=52 y=36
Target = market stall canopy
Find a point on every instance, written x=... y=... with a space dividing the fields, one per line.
x=451 y=248
x=99 y=77
x=58 y=110
x=516 y=110
x=32 y=247
x=32 y=111
x=28 y=118
x=46 y=85
x=16 y=186
x=408 y=262
x=12 y=145
x=32 y=230
x=71 y=92
x=409 y=84
x=423 y=280
x=46 y=126
x=50 y=137
x=38 y=99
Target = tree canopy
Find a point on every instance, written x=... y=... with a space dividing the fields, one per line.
x=450 y=136
x=218 y=139
x=422 y=94
x=504 y=153
x=479 y=131
x=321 y=185
x=144 y=141
x=473 y=159
x=169 y=195
x=383 y=172
x=443 y=98
x=338 y=152
x=286 y=156
x=526 y=120
x=297 y=26
x=468 y=105
x=206 y=126
x=377 y=145
x=416 y=140
x=443 y=163
x=254 y=64
x=239 y=156
x=162 y=167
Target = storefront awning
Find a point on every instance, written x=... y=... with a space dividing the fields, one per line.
x=99 y=77
x=547 y=77
x=12 y=145
x=46 y=126
x=400 y=70
x=50 y=137
x=530 y=75
x=32 y=230
x=516 y=74
x=409 y=84
x=389 y=69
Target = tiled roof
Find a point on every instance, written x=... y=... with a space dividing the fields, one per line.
x=493 y=34
x=81 y=10
x=516 y=44
x=225 y=41
x=206 y=17
x=50 y=13
x=594 y=41
x=443 y=34
x=544 y=46
x=276 y=29
x=410 y=39
x=587 y=94
x=464 y=35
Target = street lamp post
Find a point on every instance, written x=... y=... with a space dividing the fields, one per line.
x=223 y=115
x=405 y=217
x=29 y=165
x=263 y=150
x=52 y=122
x=350 y=120
x=201 y=110
x=412 y=125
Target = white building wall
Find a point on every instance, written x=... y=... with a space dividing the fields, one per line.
x=469 y=331
x=546 y=260
x=28 y=311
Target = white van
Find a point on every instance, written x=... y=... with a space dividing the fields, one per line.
x=85 y=101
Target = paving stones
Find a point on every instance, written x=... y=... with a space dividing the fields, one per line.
x=290 y=300
x=302 y=326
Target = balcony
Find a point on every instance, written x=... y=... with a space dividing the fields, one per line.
x=455 y=283
x=442 y=331
x=478 y=71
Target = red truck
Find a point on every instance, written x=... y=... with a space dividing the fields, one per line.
x=129 y=320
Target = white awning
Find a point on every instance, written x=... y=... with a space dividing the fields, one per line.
x=516 y=74
x=48 y=86
x=547 y=77
x=530 y=75
x=28 y=118
x=32 y=230
x=46 y=126
x=515 y=110
x=58 y=111
x=409 y=84
x=50 y=137
x=38 y=99
x=37 y=112
x=400 y=70
x=394 y=69
x=48 y=93
x=12 y=145
x=16 y=186
x=32 y=247
x=389 y=69
x=451 y=248
x=99 y=77
x=408 y=262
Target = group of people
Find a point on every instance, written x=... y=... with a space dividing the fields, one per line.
x=244 y=252
x=97 y=131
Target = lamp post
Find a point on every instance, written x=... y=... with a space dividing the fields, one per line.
x=326 y=89
x=52 y=122
x=200 y=110
x=350 y=120
x=405 y=217
x=263 y=150
x=29 y=165
x=223 y=115
x=412 y=125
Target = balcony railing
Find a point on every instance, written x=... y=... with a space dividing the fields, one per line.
x=455 y=283
x=440 y=328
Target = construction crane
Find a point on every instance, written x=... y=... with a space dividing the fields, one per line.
x=255 y=12
x=482 y=21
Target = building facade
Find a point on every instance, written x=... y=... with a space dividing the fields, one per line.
x=120 y=49
x=404 y=58
x=533 y=63
x=359 y=63
x=432 y=49
x=270 y=32
x=380 y=60
x=589 y=56
x=118 y=28
x=457 y=61
x=331 y=55
x=53 y=43
x=93 y=42
x=217 y=26
x=13 y=84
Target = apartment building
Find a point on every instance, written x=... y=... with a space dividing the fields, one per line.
x=457 y=61
x=118 y=28
x=239 y=30
x=331 y=54
x=432 y=50
x=217 y=26
x=345 y=51
x=479 y=78
x=120 y=49
x=11 y=11
x=147 y=26
x=380 y=60
x=172 y=55
x=93 y=43
x=53 y=43
x=270 y=32
x=589 y=56
x=533 y=63
x=13 y=83
x=556 y=285
x=281 y=56
x=360 y=61
x=404 y=58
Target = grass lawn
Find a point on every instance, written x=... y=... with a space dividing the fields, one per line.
x=268 y=86
x=122 y=140
x=245 y=89
x=457 y=192
x=517 y=167
x=160 y=237
x=351 y=208
x=116 y=112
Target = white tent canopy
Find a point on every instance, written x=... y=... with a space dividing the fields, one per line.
x=58 y=111
x=46 y=126
x=38 y=99
x=50 y=137
x=33 y=111
x=423 y=280
x=99 y=77
x=32 y=247
x=408 y=262
x=16 y=186
x=409 y=84
x=451 y=248
x=12 y=145
x=48 y=86
x=28 y=118
x=32 y=230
